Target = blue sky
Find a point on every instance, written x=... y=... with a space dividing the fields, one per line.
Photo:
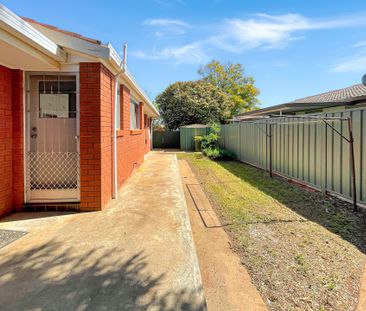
x=292 y=48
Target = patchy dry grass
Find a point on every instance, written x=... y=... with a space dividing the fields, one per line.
x=304 y=250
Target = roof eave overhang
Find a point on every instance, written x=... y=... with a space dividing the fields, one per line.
x=17 y=32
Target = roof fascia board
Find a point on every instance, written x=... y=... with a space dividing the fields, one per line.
x=74 y=43
x=16 y=26
x=264 y=110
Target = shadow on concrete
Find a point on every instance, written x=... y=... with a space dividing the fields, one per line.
x=50 y=277
x=332 y=213
x=20 y=216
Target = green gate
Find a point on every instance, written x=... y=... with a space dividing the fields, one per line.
x=166 y=139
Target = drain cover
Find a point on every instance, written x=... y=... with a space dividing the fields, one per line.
x=9 y=236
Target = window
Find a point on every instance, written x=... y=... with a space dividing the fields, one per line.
x=134 y=115
x=118 y=108
x=57 y=98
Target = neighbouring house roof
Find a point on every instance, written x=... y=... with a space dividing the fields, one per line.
x=347 y=94
x=340 y=97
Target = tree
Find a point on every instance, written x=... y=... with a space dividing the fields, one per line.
x=230 y=79
x=184 y=103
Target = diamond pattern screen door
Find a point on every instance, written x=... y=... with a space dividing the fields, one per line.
x=52 y=157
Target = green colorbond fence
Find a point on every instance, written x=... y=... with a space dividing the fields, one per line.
x=305 y=150
x=187 y=135
x=166 y=139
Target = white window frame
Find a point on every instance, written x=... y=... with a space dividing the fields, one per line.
x=134 y=114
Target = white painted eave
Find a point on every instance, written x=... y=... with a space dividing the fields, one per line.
x=16 y=26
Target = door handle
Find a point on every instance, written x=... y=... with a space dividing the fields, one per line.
x=34 y=132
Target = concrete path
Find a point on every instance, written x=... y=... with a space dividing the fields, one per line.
x=226 y=281
x=136 y=255
x=362 y=295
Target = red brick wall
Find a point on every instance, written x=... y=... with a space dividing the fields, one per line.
x=11 y=140
x=18 y=140
x=131 y=144
x=107 y=127
x=97 y=91
x=90 y=136
x=130 y=151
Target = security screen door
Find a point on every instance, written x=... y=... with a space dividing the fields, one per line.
x=52 y=138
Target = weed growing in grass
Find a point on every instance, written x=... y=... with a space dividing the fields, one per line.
x=300 y=260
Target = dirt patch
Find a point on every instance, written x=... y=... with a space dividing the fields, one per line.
x=303 y=250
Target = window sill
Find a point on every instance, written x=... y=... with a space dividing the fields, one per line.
x=121 y=133
x=136 y=132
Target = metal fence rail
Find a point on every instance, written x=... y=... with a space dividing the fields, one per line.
x=307 y=150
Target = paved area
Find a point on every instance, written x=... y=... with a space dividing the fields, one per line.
x=136 y=255
x=226 y=282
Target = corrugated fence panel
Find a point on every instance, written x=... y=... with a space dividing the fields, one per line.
x=187 y=135
x=307 y=150
x=166 y=139
x=363 y=155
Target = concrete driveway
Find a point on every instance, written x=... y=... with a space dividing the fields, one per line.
x=136 y=255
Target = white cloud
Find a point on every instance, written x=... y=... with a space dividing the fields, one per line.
x=273 y=31
x=236 y=35
x=357 y=64
x=165 y=22
x=167 y=27
x=360 y=44
x=186 y=54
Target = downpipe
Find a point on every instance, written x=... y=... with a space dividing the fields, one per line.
x=115 y=168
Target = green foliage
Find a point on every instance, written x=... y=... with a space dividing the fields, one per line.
x=210 y=145
x=300 y=260
x=230 y=78
x=184 y=103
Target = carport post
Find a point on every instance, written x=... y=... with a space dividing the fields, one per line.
x=352 y=163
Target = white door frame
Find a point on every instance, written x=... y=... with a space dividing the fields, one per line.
x=26 y=123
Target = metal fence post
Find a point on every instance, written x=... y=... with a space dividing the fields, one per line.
x=352 y=163
x=270 y=150
x=324 y=156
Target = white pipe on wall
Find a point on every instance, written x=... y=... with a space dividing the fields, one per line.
x=115 y=186
x=115 y=174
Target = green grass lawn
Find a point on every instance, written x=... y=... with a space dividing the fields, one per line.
x=304 y=250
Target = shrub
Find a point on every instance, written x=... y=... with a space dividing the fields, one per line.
x=210 y=145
